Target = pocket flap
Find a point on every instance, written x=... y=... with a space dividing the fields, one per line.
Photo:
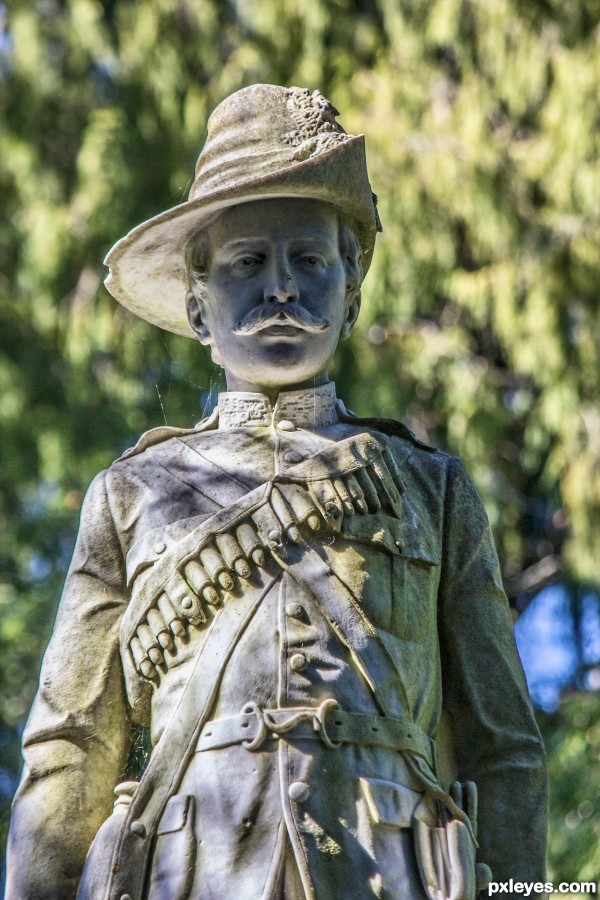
x=175 y=815
x=400 y=537
x=389 y=803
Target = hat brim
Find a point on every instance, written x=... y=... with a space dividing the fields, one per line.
x=147 y=268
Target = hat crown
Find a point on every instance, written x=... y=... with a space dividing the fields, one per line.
x=262 y=129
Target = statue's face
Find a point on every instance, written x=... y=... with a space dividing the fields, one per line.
x=275 y=293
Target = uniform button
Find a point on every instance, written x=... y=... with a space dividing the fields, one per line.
x=299 y=791
x=286 y=425
x=292 y=456
x=298 y=662
x=160 y=547
x=296 y=610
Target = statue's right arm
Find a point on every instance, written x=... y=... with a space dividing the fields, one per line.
x=76 y=738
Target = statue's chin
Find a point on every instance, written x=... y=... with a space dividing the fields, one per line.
x=276 y=379
x=278 y=360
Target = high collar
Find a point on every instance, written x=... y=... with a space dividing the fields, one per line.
x=307 y=408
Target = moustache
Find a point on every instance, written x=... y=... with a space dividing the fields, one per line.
x=264 y=317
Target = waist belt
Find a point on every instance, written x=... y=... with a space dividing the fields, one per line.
x=327 y=722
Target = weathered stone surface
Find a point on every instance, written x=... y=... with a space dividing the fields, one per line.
x=290 y=598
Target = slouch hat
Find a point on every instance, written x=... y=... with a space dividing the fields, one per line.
x=263 y=141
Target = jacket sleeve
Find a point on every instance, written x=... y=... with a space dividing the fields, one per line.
x=496 y=740
x=76 y=738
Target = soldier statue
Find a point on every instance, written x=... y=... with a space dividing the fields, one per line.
x=288 y=596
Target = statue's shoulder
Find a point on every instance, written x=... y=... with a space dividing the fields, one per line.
x=160 y=436
x=426 y=469
x=390 y=427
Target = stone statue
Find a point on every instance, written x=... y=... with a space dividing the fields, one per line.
x=287 y=595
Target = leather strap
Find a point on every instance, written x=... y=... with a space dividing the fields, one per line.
x=170 y=756
x=371 y=656
x=182 y=551
x=328 y=723
x=349 y=622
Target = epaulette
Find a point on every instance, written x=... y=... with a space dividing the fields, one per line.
x=388 y=426
x=166 y=432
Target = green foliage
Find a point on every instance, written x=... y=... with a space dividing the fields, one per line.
x=481 y=318
x=489 y=194
x=572 y=737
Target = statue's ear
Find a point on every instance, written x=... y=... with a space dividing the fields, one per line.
x=196 y=312
x=353 y=308
x=197 y=318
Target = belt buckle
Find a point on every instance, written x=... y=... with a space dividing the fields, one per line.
x=267 y=724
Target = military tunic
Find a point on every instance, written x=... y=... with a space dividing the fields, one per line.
x=327 y=822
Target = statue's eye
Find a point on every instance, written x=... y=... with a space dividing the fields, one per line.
x=311 y=260
x=246 y=263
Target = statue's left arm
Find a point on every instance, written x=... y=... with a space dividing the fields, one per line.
x=75 y=740
x=496 y=740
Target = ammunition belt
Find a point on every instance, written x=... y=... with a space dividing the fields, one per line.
x=327 y=723
x=354 y=478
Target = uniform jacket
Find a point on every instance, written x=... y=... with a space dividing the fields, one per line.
x=434 y=598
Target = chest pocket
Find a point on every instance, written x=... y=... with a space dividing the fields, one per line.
x=402 y=559
x=416 y=580
x=367 y=570
x=416 y=577
x=398 y=575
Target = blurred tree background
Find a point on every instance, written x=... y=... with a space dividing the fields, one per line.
x=481 y=315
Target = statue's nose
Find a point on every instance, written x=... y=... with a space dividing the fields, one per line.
x=281 y=285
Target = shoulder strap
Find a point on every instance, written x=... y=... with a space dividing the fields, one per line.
x=387 y=426
x=347 y=619
x=166 y=432
x=171 y=754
